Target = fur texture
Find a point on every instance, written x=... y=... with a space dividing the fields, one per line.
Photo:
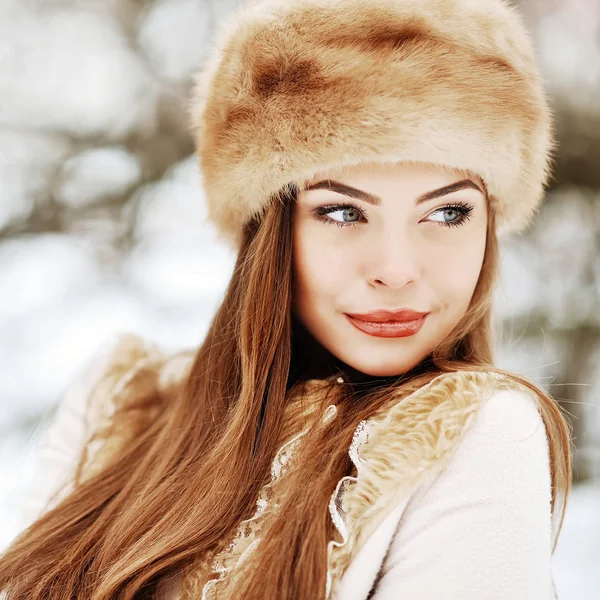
x=292 y=87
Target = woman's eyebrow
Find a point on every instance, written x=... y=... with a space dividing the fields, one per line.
x=341 y=188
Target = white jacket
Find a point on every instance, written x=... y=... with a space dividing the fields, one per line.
x=477 y=527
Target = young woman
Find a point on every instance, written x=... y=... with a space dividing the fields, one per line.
x=342 y=432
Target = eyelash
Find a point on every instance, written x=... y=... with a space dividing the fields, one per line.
x=321 y=213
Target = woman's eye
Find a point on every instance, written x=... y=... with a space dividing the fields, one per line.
x=457 y=214
x=345 y=215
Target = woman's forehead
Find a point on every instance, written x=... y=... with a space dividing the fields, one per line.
x=376 y=178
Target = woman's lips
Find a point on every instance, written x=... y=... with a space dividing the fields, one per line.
x=390 y=329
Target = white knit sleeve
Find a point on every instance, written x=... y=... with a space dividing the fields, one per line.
x=482 y=530
x=61 y=442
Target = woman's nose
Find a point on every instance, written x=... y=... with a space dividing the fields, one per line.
x=394 y=260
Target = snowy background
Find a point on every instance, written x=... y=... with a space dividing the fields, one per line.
x=103 y=223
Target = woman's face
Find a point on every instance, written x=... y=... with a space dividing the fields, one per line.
x=386 y=237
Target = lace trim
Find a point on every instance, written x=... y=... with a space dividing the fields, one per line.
x=247 y=537
x=337 y=508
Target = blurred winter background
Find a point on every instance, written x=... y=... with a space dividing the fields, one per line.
x=102 y=222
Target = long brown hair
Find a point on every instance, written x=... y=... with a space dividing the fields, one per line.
x=201 y=452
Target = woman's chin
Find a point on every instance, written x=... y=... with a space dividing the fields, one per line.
x=381 y=367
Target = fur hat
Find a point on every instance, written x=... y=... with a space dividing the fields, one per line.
x=292 y=87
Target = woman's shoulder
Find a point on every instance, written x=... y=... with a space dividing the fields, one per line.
x=125 y=368
x=82 y=432
x=124 y=362
x=132 y=381
x=444 y=436
x=489 y=418
x=452 y=403
x=488 y=510
x=464 y=416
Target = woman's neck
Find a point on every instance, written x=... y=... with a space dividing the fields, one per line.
x=311 y=360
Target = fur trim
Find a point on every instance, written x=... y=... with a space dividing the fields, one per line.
x=293 y=87
x=127 y=398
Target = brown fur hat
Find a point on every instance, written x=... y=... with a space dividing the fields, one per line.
x=293 y=87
